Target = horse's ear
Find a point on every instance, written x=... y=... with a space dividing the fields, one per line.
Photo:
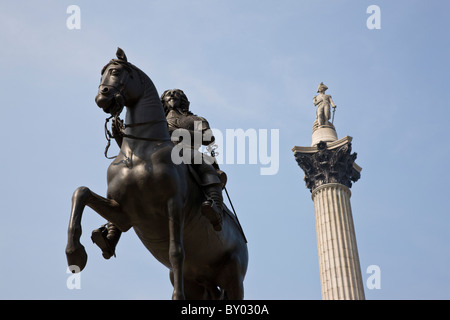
x=120 y=54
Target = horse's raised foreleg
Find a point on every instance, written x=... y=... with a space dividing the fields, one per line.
x=176 y=249
x=107 y=208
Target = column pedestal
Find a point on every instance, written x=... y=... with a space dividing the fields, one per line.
x=325 y=133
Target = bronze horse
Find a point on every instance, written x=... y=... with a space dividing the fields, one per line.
x=159 y=199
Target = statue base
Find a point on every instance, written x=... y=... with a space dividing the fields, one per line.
x=325 y=133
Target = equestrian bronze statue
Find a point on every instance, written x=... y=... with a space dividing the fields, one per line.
x=166 y=203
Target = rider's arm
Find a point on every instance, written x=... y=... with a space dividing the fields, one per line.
x=207 y=135
x=332 y=103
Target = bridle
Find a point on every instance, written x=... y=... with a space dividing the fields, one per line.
x=119 y=96
x=120 y=128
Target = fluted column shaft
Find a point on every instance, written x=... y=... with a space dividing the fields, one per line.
x=340 y=271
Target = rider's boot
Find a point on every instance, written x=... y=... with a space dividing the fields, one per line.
x=106 y=238
x=213 y=206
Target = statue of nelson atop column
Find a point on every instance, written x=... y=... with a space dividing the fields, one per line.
x=323 y=102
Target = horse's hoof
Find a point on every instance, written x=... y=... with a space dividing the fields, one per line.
x=178 y=296
x=76 y=258
x=99 y=237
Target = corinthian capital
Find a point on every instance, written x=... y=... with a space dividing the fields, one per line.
x=328 y=163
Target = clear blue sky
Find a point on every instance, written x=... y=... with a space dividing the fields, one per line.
x=243 y=64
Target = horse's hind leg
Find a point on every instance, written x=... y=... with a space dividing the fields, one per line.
x=107 y=208
x=193 y=290
x=232 y=281
x=176 y=249
x=234 y=290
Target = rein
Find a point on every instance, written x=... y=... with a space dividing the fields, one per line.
x=120 y=128
x=109 y=135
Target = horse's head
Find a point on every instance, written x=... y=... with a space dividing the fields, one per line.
x=121 y=85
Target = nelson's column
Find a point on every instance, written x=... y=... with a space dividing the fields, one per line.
x=330 y=169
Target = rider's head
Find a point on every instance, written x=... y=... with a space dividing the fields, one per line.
x=175 y=99
x=322 y=87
